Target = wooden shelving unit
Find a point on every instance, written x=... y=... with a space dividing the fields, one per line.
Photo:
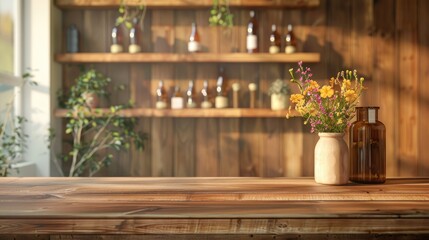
x=195 y=113
x=186 y=58
x=188 y=3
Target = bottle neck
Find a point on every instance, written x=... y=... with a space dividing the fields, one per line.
x=369 y=114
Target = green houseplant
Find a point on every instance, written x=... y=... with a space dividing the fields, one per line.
x=96 y=130
x=12 y=136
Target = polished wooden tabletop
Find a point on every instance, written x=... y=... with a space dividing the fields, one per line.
x=211 y=206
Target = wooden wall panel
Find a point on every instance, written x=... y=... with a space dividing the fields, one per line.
x=406 y=18
x=385 y=77
x=162 y=133
x=386 y=41
x=423 y=90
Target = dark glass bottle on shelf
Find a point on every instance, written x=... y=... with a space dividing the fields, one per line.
x=275 y=40
x=135 y=34
x=117 y=40
x=252 y=34
x=205 y=102
x=221 y=100
x=290 y=40
x=161 y=96
x=367 y=147
x=194 y=40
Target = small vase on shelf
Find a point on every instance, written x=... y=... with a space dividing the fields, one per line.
x=331 y=159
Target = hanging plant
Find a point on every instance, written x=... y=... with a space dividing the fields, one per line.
x=130 y=16
x=220 y=15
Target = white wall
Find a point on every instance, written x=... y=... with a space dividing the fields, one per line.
x=37 y=55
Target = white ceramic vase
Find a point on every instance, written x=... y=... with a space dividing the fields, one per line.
x=278 y=101
x=331 y=159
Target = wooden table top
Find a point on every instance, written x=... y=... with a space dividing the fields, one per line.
x=211 y=205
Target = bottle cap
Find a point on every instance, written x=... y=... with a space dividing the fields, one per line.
x=273 y=27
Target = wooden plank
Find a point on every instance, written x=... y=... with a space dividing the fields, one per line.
x=229 y=138
x=186 y=3
x=386 y=80
x=423 y=42
x=207 y=148
x=216 y=226
x=211 y=206
x=196 y=113
x=227 y=236
x=406 y=18
x=162 y=129
x=184 y=57
x=293 y=148
x=338 y=35
x=362 y=49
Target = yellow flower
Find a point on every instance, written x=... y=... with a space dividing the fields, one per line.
x=326 y=92
x=340 y=121
x=313 y=85
x=350 y=95
x=296 y=98
x=346 y=85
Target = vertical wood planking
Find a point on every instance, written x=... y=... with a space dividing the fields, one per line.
x=408 y=87
x=293 y=150
x=207 y=130
x=385 y=78
x=184 y=129
x=162 y=128
x=229 y=138
x=362 y=48
x=338 y=43
x=423 y=60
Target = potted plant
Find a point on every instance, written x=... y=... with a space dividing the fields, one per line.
x=279 y=90
x=89 y=87
x=96 y=130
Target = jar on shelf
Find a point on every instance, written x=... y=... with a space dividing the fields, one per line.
x=367 y=147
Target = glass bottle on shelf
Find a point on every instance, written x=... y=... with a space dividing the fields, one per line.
x=252 y=34
x=190 y=93
x=72 y=39
x=221 y=100
x=367 y=147
x=177 y=99
x=205 y=103
x=275 y=40
x=194 y=40
x=135 y=37
x=161 y=96
x=290 y=43
x=117 y=40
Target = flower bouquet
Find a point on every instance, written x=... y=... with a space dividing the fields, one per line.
x=328 y=108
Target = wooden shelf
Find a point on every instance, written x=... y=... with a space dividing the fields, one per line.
x=186 y=58
x=187 y=3
x=197 y=113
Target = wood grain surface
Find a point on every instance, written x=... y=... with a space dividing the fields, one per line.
x=210 y=206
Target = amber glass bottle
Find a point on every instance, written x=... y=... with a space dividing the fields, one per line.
x=367 y=147
x=161 y=96
x=194 y=40
x=275 y=41
x=290 y=40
